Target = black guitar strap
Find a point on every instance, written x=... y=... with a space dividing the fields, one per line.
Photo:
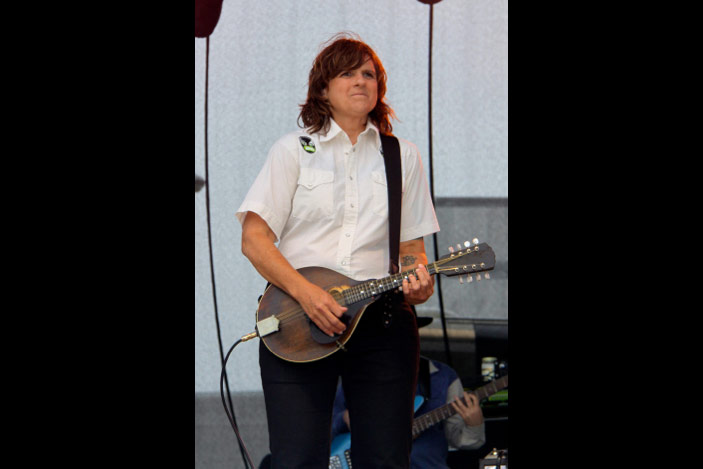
x=390 y=148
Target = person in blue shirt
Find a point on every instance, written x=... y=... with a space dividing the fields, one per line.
x=463 y=430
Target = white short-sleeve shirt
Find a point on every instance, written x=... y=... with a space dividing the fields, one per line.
x=326 y=200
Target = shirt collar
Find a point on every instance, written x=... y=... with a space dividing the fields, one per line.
x=433 y=368
x=335 y=129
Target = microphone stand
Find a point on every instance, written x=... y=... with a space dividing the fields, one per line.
x=434 y=235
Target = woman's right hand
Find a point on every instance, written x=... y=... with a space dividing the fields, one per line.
x=322 y=309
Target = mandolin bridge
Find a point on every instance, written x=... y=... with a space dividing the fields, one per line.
x=267 y=326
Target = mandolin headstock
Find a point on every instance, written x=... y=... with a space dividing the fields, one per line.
x=472 y=258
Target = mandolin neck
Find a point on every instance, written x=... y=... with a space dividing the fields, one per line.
x=371 y=288
x=473 y=259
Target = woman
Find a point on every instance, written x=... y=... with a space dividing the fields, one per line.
x=321 y=195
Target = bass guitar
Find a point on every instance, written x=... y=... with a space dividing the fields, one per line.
x=340 y=449
x=288 y=333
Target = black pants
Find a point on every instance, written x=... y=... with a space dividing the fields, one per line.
x=379 y=375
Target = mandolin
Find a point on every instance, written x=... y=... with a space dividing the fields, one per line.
x=288 y=333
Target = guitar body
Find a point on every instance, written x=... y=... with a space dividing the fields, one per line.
x=298 y=339
x=340 y=452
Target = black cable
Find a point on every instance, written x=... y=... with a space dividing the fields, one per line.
x=434 y=235
x=223 y=375
x=209 y=238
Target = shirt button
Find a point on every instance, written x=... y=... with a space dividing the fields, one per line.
x=344 y=262
x=347 y=234
x=351 y=205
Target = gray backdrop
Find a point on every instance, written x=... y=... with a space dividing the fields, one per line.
x=260 y=55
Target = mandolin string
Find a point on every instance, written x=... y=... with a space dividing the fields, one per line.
x=356 y=293
x=360 y=292
x=352 y=293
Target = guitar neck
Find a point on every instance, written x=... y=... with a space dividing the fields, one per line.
x=435 y=416
x=371 y=288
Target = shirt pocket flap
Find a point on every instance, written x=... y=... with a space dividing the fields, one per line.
x=312 y=177
x=379 y=177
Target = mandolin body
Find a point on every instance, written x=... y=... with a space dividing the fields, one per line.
x=298 y=339
x=289 y=334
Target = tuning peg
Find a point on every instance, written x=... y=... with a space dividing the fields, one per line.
x=451 y=249
x=486 y=276
x=461 y=280
x=475 y=240
x=478 y=277
x=467 y=244
x=469 y=278
x=458 y=246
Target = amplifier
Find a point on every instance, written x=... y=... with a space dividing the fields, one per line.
x=496 y=459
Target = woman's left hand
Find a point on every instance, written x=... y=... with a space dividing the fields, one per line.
x=418 y=289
